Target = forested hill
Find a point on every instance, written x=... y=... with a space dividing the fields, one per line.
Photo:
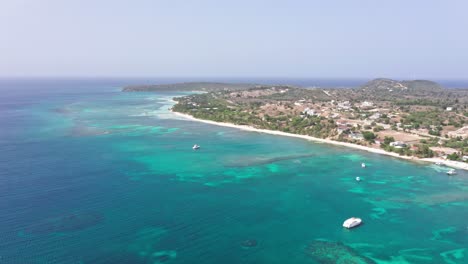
x=382 y=84
x=412 y=92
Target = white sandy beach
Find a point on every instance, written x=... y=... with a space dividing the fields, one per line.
x=454 y=164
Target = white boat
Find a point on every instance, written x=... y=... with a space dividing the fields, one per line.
x=352 y=222
x=363 y=165
x=358 y=178
x=451 y=172
x=195 y=147
x=439 y=164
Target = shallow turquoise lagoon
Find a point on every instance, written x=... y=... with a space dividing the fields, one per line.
x=94 y=175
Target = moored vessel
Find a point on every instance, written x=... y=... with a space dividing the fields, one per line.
x=352 y=222
x=451 y=172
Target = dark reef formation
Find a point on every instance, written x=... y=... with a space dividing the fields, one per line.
x=257 y=161
x=328 y=252
x=249 y=243
x=66 y=223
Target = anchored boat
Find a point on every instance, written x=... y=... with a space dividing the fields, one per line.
x=352 y=222
x=451 y=172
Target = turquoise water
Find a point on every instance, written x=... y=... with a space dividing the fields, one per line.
x=92 y=175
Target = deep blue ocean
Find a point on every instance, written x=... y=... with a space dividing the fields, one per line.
x=89 y=174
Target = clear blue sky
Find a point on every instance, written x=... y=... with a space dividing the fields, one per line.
x=239 y=38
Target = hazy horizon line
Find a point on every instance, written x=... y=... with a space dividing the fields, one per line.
x=227 y=77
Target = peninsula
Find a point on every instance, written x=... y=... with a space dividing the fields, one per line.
x=416 y=119
x=189 y=86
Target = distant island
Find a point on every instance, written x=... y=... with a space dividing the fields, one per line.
x=188 y=86
x=417 y=118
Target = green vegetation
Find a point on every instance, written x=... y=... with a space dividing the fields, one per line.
x=378 y=128
x=209 y=106
x=453 y=156
x=457 y=143
x=424 y=151
x=388 y=140
x=424 y=119
x=369 y=136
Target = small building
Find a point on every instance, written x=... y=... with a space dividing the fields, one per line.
x=375 y=116
x=366 y=105
x=310 y=112
x=398 y=144
x=342 y=129
x=357 y=136
x=344 y=105
x=414 y=148
x=449 y=108
x=341 y=122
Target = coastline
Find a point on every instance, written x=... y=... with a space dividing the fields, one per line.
x=449 y=163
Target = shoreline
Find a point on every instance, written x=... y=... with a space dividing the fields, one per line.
x=449 y=163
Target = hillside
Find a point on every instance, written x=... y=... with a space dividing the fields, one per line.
x=416 y=92
x=382 y=84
